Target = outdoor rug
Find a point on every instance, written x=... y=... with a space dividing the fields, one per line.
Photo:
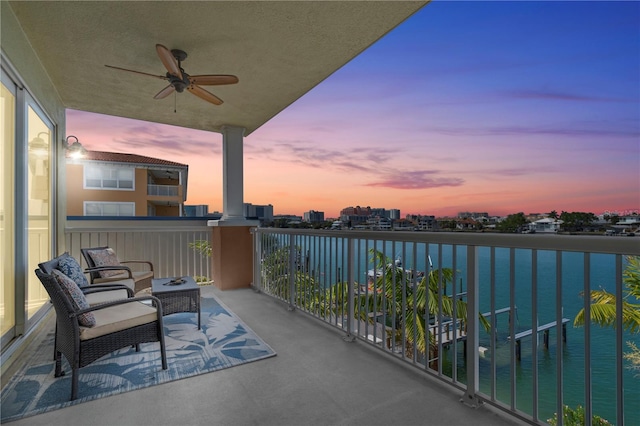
x=223 y=341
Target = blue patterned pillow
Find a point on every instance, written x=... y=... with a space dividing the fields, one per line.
x=71 y=268
x=78 y=300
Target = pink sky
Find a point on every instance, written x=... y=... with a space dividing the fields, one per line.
x=435 y=120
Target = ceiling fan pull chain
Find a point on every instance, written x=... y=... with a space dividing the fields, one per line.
x=175 y=102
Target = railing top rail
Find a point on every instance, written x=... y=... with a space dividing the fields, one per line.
x=147 y=225
x=576 y=243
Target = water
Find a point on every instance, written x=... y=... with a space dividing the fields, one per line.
x=327 y=261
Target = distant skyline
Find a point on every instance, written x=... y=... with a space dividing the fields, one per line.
x=467 y=106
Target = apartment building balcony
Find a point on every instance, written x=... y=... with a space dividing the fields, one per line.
x=163 y=190
x=333 y=366
x=164 y=200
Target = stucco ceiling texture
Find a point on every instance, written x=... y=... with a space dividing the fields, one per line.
x=278 y=50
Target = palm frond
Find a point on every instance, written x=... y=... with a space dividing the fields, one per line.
x=603 y=312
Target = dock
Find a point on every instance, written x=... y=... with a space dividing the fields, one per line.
x=542 y=328
x=449 y=331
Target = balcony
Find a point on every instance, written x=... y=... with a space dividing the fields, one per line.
x=163 y=190
x=316 y=379
x=491 y=315
x=342 y=361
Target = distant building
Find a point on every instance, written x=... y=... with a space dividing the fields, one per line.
x=199 y=210
x=384 y=224
x=471 y=215
x=313 y=216
x=115 y=184
x=380 y=212
x=394 y=214
x=427 y=223
x=288 y=218
x=546 y=225
x=630 y=220
x=403 y=225
x=355 y=215
x=260 y=212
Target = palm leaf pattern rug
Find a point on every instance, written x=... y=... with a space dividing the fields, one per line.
x=223 y=341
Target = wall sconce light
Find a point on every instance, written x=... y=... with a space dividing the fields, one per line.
x=76 y=150
x=39 y=146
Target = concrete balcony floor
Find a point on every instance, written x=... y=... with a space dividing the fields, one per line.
x=316 y=379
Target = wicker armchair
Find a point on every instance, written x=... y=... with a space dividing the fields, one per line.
x=120 y=271
x=96 y=293
x=118 y=324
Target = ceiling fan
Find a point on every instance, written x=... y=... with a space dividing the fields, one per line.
x=179 y=80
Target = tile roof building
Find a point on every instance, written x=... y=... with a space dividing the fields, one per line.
x=117 y=184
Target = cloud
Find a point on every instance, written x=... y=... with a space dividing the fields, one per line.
x=528 y=130
x=163 y=138
x=520 y=171
x=561 y=96
x=416 y=180
x=133 y=136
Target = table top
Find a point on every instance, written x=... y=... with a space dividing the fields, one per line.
x=171 y=284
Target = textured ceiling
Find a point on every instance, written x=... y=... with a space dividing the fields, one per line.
x=278 y=50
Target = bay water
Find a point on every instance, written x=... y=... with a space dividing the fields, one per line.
x=327 y=260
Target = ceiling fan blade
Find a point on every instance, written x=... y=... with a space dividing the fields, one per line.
x=213 y=80
x=168 y=61
x=203 y=94
x=162 y=77
x=165 y=92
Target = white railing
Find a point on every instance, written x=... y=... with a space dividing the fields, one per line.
x=509 y=290
x=164 y=242
x=163 y=190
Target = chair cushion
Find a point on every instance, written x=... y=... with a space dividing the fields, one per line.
x=71 y=268
x=105 y=296
x=105 y=257
x=119 y=317
x=137 y=276
x=76 y=296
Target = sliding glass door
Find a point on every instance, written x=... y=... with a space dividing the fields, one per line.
x=39 y=227
x=27 y=158
x=7 y=206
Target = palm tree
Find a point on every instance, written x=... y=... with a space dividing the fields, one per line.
x=603 y=308
x=407 y=304
x=603 y=303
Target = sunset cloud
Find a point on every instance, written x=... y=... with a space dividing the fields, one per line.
x=562 y=96
x=416 y=180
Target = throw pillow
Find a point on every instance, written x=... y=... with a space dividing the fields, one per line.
x=105 y=257
x=76 y=296
x=71 y=268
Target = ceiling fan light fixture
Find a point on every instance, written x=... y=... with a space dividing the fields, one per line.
x=179 y=85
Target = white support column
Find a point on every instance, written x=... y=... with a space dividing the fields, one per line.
x=231 y=240
x=232 y=170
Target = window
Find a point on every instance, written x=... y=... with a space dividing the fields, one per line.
x=98 y=208
x=106 y=177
